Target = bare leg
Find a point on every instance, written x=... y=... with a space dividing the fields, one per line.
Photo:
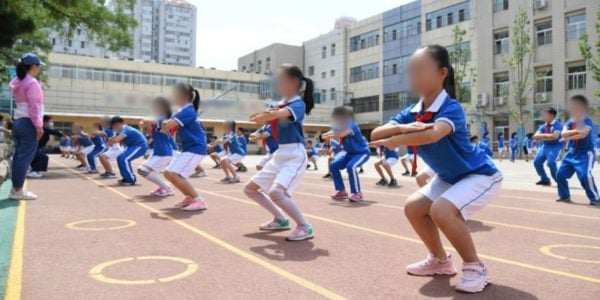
x=416 y=210
x=388 y=170
x=106 y=164
x=403 y=162
x=181 y=184
x=447 y=217
x=225 y=166
x=378 y=169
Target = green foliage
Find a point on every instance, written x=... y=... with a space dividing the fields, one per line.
x=592 y=62
x=25 y=25
x=460 y=58
x=520 y=66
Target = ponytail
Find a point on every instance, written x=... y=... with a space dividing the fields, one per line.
x=22 y=70
x=441 y=56
x=306 y=86
x=196 y=99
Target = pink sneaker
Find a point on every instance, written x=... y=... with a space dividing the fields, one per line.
x=432 y=266
x=185 y=202
x=160 y=192
x=341 y=195
x=474 y=278
x=199 y=204
x=356 y=197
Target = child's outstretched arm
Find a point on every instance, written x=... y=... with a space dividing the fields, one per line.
x=270 y=115
x=436 y=132
x=167 y=125
x=337 y=134
x=391 y=129
x=546 y=136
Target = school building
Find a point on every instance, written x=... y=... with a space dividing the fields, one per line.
x=82 y=90
x=363 y=63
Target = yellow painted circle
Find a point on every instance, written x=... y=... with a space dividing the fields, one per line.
x=96 y=272
x=548 y=251
x=75 y=225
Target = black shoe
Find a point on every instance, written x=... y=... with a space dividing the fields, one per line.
x=80 y=165
x=361 y=170
x=393 y=183
x=566 y=200
x=382 y=182
x=594 y=203
x=328 y=175
x=307 y=167
x=217 y=166
x=407 y=173
x=126 y=182
x=544 y=183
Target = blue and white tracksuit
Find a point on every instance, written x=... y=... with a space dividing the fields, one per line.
x=580 y=159
x=548 y=151
x=136 y=147
x=356 y=154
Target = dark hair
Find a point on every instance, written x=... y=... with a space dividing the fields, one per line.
x=530 y=135
x=191 y=92
x=309 y=142
x=500 y=134
x=342 y=111
x=165 y=105
x=213 y=137
x=294 y=71
x=473 y=138
x=551 y=111
x=230 y=124
x=240 y=129
x=485 y=134
x=98 y=126
x=22 y=69
x=441 y=56
x=513 y=134
x=321 y=140
x=116 y=120
x=581 y=99
x=47 y=118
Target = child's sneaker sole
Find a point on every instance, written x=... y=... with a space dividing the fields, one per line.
x=308 y=237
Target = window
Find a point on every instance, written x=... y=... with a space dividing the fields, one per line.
x=69 y=43
x=501 y=86
x=575 y=26
x=543 y=33
x=365 y=72
x=365 y=104
x=397 y=101
x=311 y=70
x=82 y=44
x=78 y=31
x=394 y=66
x=332 y=73
x=576 y=77
x=251 y=69
x=268 y=65
x=365 y=40
x=460 y=52
x=259 y=66
x=446 y=16
x=332 y=50
x=324 y=52
x=323 y=74
x=500 y=5
x=332 y=94
x=543 y=82
x=501 y=42
x=323 y=95
x=53 y=41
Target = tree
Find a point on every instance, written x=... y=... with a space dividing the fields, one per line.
x=520 y=66
x=460 y=56
x=25 y=25
x=593 y=63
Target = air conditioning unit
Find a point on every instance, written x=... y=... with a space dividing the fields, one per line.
x=542 y=97
x=499 y=101
x=540 y=4
x=482 y=100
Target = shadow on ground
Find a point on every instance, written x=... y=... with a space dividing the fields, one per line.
x=282 y=250
x=478 y=226
x=439 y=287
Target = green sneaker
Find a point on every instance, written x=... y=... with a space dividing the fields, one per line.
x=276 y=225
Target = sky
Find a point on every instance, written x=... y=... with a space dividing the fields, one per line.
x=228 y=29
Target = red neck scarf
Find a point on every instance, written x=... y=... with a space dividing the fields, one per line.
x=274 y=132
x=423 y=118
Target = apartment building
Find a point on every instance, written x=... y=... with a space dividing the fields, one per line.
x=267 y=59
x=166 y=33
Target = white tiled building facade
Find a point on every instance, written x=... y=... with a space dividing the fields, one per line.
x=166 y=33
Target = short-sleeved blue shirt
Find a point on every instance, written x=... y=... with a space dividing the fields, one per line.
x=218 y=148
x=335 y=146
x=354 y=143
x=133 y=137
x=98 y=141
x=486 y=148
x=84 y=141
x=234 y=144
x=163 y=143
x=270 y=142
x=191 y=133
x=513 y=143
x=585 y=144
x=501 y=142
x=289 y=130
x=390 y=153
x=312 y=151
x=453 y=157
x=109 y=133
x=555 y=126
x=243 y=142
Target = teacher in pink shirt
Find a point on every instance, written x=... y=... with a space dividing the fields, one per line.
x=28 y=121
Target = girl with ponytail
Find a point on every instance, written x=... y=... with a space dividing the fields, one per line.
x=273 y=186
x=466 y=180
x=193 y=140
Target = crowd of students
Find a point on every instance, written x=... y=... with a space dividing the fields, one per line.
x=458 y=179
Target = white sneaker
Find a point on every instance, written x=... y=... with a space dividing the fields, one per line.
x=83 y=169
x=34 y=174
x=474 y=278
x=22 y=195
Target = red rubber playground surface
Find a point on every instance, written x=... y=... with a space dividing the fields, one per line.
x=86 y=238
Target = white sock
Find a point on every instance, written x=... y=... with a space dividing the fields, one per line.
x=264 y=201
x=281 y=199
x=157 y=179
